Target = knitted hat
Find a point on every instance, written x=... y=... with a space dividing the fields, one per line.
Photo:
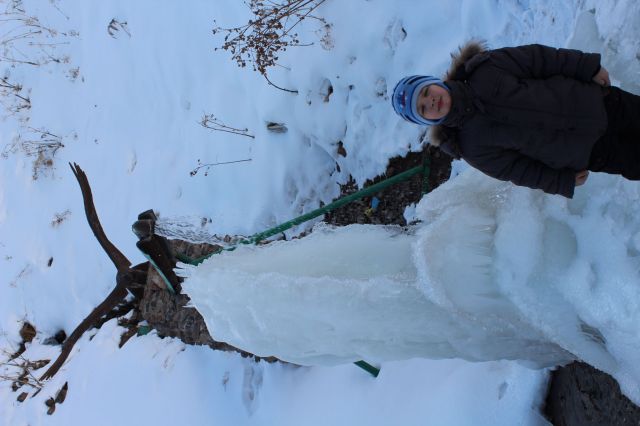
x=405 y=98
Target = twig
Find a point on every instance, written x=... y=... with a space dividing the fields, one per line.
x=207 y=166
x=278 y=87
x=269 y=32
x=209 y=121
x=125 y=277
x=25 y=40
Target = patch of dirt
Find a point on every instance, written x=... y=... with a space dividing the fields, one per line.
x=387 y=206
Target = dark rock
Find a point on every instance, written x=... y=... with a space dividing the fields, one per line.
x=169 y=315
x=56 y=339
x=276 y=127
x=580 y=395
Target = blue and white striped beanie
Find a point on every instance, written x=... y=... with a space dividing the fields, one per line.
x=405 y=98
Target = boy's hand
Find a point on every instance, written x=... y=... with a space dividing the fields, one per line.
x=581 y=177
x=602 y=77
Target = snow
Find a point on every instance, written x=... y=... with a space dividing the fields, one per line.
x=127 y=107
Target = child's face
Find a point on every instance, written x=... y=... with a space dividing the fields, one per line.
x=434 y=102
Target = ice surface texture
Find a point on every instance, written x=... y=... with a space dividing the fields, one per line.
x=493 y=272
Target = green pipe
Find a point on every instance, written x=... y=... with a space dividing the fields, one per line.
x=256 y=238
x=159 y=271
x=425 y=174
x=143 y=330
x=370 y=190
x=374 y=371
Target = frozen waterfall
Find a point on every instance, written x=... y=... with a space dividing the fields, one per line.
x=493 y=272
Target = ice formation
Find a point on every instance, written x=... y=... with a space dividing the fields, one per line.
x=493 y=271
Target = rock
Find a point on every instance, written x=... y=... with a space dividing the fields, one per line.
x=56 y=339
x=276 y=127
x=580 y=395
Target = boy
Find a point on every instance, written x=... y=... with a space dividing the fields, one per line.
x=534 y=115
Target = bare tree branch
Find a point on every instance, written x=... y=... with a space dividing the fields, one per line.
x=118 y=259
x=113 y=299
x=125 y=278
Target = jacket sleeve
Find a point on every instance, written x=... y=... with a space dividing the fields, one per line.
x=524 y=171
x=538 y=61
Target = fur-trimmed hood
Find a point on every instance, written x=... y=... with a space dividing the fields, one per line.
x=439 y=135
x=464 y=53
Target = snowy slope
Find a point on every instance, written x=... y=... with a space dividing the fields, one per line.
x=127 y=107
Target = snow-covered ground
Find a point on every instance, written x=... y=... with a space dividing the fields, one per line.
x=130 y=83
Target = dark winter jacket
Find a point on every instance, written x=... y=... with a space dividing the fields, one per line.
x=528 y=114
